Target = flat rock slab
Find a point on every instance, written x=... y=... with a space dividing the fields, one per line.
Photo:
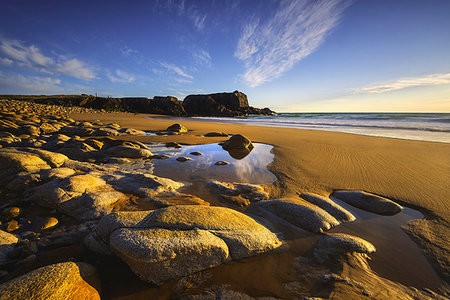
x=370 y=202
x=329 y=206
x=58 y=281
x=251 y=192
x=301 y=214
x=176 y=241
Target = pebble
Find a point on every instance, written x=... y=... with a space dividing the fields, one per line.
x=222 y=163
x=173 y=145
x=196 y=153
x=12 y=225
x=11 y=212
x=183 y=158
x=48 y=223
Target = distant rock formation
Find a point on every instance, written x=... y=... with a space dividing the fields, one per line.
x=221 y=104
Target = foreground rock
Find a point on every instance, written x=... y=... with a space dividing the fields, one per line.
x=333 y=244
x=176 y=241
x=329 y=206
x=301 y=214
x=59 y=281
x=370 y=202
x=8 y=242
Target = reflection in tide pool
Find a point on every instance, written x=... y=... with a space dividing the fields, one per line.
x=251 y=168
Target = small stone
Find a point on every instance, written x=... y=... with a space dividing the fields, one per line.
x=222 y=163
x=178 y=128
x=48 y=223
x=183 y=158
x=161 y=156
x=196 y=153
x=28 y=234
x=11 y=212
x=12 y=225
x=173 y=145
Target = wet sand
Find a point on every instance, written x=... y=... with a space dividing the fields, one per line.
x=415 y=174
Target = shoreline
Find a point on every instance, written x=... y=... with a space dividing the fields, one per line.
x=412 y=173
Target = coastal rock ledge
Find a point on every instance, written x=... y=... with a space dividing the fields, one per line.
x=176 y=241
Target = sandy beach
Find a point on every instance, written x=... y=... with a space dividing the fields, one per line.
x=413 y=173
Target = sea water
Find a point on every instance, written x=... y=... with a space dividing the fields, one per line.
x=433 y=127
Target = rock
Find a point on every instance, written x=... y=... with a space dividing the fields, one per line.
x=215 y=134
x=370 y=202
x=141 y=185
x=8 y=243
x=12 y=226
x=196 y=153
x=13 y=160
x=128 y=152
x=55 y=160
x=237 y=141
x=161 y=156
x=23 y=250
x=334 y=244
x=106 y=131
x=131 y=131
x=180 y=199
x=238 y=200
x=329 y=206
x=95 y=245
x=222 y=163
x=178 y=128
x=183 y=158
x=173 y=145
x=82 y=196
x=251 y=192
x=176 y=241
x=301 y=214
x=48 y=223
x=67 y=280
x=11 y=212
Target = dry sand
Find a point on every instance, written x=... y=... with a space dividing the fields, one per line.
x=414 y=173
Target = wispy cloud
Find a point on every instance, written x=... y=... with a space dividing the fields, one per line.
x=296 y=30
x=6 y=61
x=32 y=57
x=120 y=76
x=202 y=57
x=433 y=79
x=29 y=84
x=127 y=51
x=176 y=70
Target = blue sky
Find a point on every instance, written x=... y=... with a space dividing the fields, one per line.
x=311 y=55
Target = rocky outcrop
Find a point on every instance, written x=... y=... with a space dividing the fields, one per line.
x=300 y=214
x=179 y=240
x=59 y=281
x=370 y=202
x=329 y=206
x=221 y=104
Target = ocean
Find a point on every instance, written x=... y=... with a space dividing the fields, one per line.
x=433 y=127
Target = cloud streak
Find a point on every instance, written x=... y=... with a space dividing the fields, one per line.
x=120 y=76
x=297 y=29
x=29 y=84
x=32 y=57
x=429 y=80
x=177 y=70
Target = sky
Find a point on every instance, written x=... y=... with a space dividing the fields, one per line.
x=291 y=56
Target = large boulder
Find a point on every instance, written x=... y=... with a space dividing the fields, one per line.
x=67 y=280
x=370 y=202
x=176 y=241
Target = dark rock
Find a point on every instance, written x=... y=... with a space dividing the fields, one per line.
x=183 y=158
x=216 y=134
x=196 y=153
x=178 y=128
x=173 y=145
x=237 y=141
x=222 y=163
